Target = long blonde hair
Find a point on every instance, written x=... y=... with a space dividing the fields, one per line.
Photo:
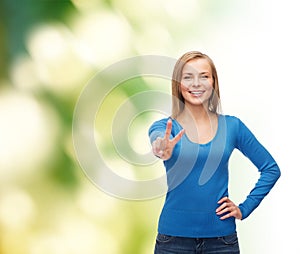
x=177 y=99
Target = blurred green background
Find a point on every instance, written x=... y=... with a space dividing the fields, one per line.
x=49 y=51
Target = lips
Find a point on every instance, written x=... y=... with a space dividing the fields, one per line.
x=197 y=93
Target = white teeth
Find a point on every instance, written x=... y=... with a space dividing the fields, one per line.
x=198 y=92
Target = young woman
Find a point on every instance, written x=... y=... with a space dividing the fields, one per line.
x=195 y=144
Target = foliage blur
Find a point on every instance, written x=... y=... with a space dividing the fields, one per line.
x=49 y=50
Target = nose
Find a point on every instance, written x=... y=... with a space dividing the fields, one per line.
x=196 y=82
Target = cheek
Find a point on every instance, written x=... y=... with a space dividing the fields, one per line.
x=184 y=90
x=209 y=86
x=183 y=87
x=210 y=91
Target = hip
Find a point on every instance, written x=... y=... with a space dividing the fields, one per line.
x=167 y=244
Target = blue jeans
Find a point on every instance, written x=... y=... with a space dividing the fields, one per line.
x=181 y=245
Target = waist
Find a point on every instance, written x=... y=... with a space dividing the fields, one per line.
x=187 y=223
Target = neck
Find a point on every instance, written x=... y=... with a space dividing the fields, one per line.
x=199 y=113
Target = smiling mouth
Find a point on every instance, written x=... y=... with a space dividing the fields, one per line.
x=196 y=93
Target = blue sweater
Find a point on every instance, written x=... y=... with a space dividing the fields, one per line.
x=197 y=177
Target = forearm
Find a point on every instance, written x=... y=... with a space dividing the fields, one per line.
x=265 y=183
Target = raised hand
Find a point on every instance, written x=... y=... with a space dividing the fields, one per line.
x=163 y=147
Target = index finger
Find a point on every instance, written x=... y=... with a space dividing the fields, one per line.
x=222 y=200
x=168 y=129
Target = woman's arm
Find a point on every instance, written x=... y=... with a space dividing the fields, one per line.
x=265 y=163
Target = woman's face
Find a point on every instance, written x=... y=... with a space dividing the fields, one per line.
x=196 y=82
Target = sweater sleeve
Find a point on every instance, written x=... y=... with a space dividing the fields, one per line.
x=266 y=165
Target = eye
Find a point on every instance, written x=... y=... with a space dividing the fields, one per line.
x=204 y=77
x=187 y=78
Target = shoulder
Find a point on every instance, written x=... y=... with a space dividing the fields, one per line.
x=235 y=126
x=160 y=122
x=232 y=121
x=238 y=130
x=159 y=125
x=230 y=117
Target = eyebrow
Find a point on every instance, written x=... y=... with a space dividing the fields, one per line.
x=189 y=73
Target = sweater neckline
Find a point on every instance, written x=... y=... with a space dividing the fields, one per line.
x=201 y=144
